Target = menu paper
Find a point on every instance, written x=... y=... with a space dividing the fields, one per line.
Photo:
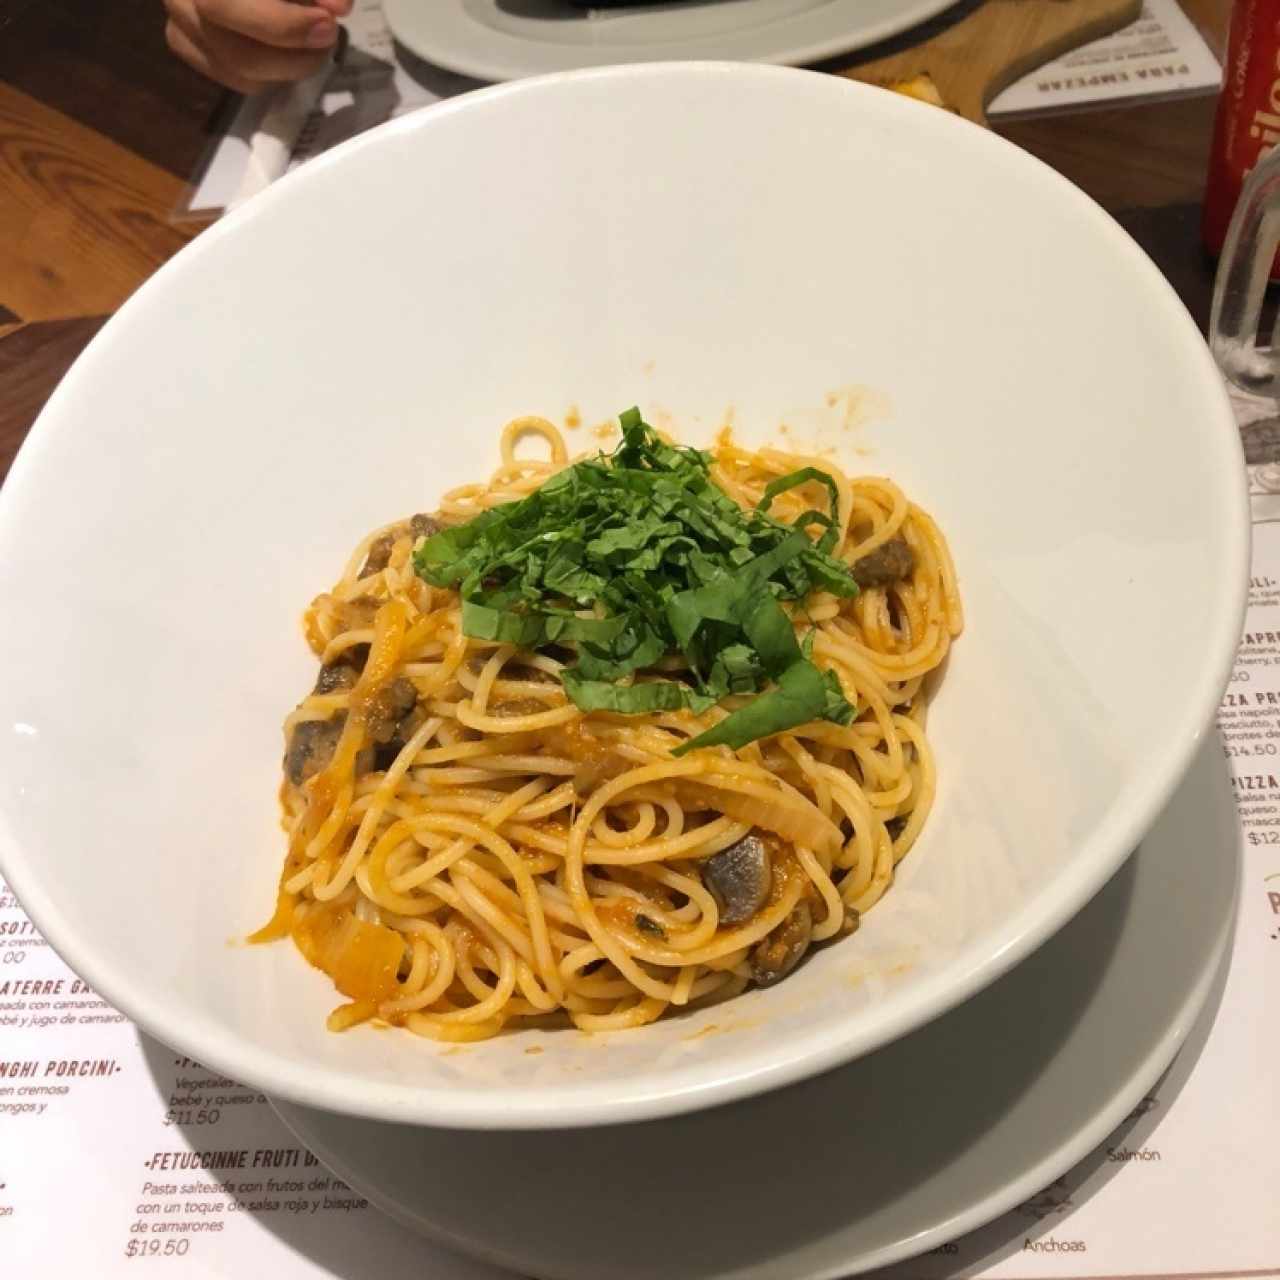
x=1160 y=53
x=377 y=81
x=118 y=1155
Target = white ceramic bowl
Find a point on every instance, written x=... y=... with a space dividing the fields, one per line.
x=692 y=238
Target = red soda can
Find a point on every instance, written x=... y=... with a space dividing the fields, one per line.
x=1247 y=125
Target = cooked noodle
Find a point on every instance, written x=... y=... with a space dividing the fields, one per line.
x=469 y=851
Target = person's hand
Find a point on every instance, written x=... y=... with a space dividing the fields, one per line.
x=249 y=44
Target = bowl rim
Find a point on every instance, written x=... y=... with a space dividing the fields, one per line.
x=509 y=56
x=686 y=1089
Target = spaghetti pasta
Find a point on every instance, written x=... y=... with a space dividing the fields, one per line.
x=469 y=849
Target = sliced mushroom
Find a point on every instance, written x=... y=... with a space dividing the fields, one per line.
x=335 y=676
x=424 y=526
x=739 y=879
x=890 y=562
x=384 y=754
x=532 y=675
x=379 y=555
x=780 y=952
x=355 y=615
x=311 y=747
x=388 y=707
x=355 y=656
x=852 y=919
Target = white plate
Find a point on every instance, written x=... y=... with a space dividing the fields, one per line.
x=507 y=39
x=885 y=1158
x=691 y=237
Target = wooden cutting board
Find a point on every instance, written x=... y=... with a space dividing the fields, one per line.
x=972 y=52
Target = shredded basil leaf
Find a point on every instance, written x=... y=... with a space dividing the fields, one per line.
x=630 y=557
x=799 y=696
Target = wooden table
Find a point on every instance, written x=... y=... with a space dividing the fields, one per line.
x=101 y=130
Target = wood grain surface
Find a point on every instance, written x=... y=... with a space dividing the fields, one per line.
x=84 y=220
x=32 y=360
x=976 y=50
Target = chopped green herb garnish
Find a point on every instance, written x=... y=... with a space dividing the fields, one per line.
x=666 y=563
